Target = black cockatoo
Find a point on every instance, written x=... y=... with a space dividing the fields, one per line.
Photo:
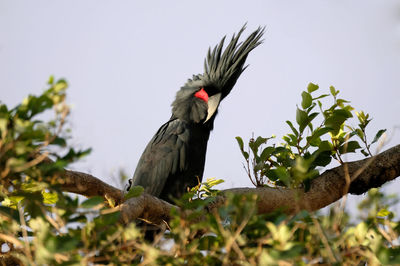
x=174 y=159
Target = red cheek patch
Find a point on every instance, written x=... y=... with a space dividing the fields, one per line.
x=202 y=94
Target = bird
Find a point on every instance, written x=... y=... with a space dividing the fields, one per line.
x=174 y=159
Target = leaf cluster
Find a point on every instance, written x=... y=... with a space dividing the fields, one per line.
x=319 y=135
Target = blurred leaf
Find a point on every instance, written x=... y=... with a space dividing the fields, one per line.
x=12 y=201
x=366 y=154
x=259 y=141
x=320 y=97
x=266 y=153
x=51 y=80
x=108 y=219
x=383 y=213
x=378 y=135
x=301 y=119
x=9 y=212
x=312 y=87
x=279 y=173
x=312 y=116
x=358 y=132
x=240 y=142
x=323 y=158
x=241 y=146
x=307 y=100
x=318 y=133
x=336 y=120
x=334 y=92
x=351 y=146
x=50 y=197
x=59 y=141
x=213 y=181
x=254 y=145
x=292 y=127
x=340 y=102
x=3 y=124
x=134 y=192
x=325 y=146
x=92 y=202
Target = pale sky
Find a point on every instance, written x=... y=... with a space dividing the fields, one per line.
x=125 y=60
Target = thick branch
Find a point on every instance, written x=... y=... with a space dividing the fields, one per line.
x=146 y=207
x=89 y=186
x=330 y=185
x=324 y=190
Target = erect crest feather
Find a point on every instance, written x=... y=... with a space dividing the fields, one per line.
x=222 y=67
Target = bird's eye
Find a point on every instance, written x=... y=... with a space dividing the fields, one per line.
x=202 y=94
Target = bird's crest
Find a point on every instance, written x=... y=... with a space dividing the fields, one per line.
x=222 y=68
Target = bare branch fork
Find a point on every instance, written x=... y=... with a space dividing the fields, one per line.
x=324 y=190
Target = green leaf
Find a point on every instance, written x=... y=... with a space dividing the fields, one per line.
x=312 y=116
x=383 y=213
x=92 y=202
x=334 y=92
x=241 y=146
x=240 y=142
x=358 y=132
x=10 y=212
x=51 y=80
x=340 y=102
x=280 y=173
x=259 y=141
x=312 y=87
x=290 y=139
x=318 y=133
x=50 y=197
x=134 y=192
x=59 y=141
x=351 y=146
x=366 y=154
x=210 y=182
x=306 y=100
x=107 y=219
x=378 y=135
x=266 y=153
x=292 y=127
x=336 y=120
x=323 y=158
x=60 y=86
x=325 y=146
x=279 y=150
x=301 y=119
x=320 y=97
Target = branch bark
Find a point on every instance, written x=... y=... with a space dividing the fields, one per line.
x=324 y=190
x=89 y=186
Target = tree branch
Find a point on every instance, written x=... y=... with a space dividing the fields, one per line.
x=89 y=186
x=330 y=186
x=324 y=190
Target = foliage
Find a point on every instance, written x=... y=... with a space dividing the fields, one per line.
x=40 y=225
x=310 y=146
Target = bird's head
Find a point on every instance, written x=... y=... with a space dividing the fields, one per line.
x=198 y=100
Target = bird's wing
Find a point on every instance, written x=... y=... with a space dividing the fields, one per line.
x=164 y=155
